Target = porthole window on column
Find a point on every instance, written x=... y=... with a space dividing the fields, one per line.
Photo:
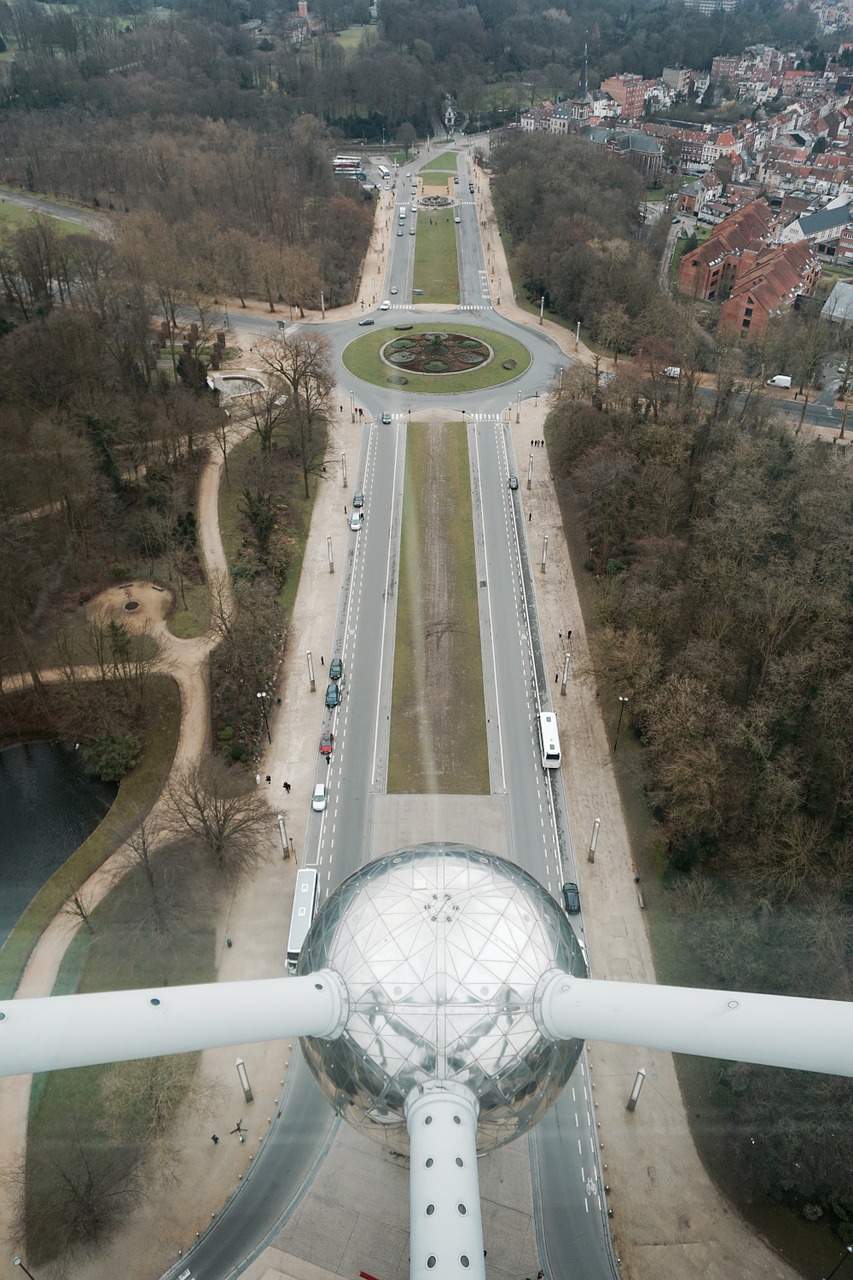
x=460 y=1162
x=429 y=1162
x=460 y=1208
x=456 y=1120
x=464 y=1260
x=430 y=1210
x=427 y=1119
x=431 y=1260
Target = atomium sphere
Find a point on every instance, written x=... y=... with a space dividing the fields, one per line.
x=441 y=948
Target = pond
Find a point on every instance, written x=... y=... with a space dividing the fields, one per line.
x=48 y=806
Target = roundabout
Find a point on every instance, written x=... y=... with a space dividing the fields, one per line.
x=429 y=358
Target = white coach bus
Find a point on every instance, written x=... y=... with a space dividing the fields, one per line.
x=304 y=906
x=549 y=740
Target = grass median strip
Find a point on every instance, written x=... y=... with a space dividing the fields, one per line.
x=438 y=718
x=436 y=270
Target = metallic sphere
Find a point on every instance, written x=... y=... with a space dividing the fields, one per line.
x=441 y=948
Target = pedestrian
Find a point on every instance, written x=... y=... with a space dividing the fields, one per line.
x=214 y=1138
x=557 y=678
x=269 y=780
x=321 y=660
x=342 y=408
x=529 y=516
x=345 y=510
x=257 y=779
x=531 y=444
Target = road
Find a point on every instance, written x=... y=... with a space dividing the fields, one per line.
x=569 y=1192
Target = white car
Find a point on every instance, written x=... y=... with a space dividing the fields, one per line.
x=355 y=521
x=386 y=305
x=319 y=798
x=457 y=218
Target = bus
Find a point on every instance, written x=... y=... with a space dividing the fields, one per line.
x=549 y=740
x=358 y=175
x=304 y=906
x=383 y=172
x=347 y=162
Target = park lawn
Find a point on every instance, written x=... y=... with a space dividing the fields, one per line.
x=351 y=37
x=446 y=162
x=438 y=718
x=15 y=216
x=436 y=267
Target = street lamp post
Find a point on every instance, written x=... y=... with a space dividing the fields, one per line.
x=542 y=309
x=848 y=1249
x=622 y=701
x=263 y=698
x=19 y=1263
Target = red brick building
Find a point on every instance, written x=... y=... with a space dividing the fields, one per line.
x=629 y=91
x=769 y=281
x=710 y=271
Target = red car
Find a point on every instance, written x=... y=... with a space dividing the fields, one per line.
x=327 y=741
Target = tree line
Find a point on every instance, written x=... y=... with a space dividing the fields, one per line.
x=721 y=560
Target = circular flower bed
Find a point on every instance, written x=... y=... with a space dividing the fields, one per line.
x=437 y=352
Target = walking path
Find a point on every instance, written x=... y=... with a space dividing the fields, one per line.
x=668 y=1219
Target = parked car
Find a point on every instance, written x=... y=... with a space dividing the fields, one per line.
x=457 y=218
x=779 y=380
x=672 y=371
x=358 y=500
x=336 y=668
x=355 y=521
x=367 y=320
x=411 y=231
x=572 y=898
x=319 y=798
x=333 y=695
x=513 y=482
x=327 y=741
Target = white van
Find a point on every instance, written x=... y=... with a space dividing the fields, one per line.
x=779 y=380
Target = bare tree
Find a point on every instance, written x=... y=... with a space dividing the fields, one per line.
x=160 y=1090
x=302 y=364
x=79 y=908
x=231 y=824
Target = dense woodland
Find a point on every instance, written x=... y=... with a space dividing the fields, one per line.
x=721 y=548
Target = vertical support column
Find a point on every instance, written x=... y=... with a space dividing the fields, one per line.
x=446 y=1240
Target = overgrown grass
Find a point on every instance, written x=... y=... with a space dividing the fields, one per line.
x=436 y=261
x=194 y=618
x=438 y=718
x=362 y=358
x=136 y=795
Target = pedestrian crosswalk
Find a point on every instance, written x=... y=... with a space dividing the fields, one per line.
x=493 y=419
x=465 y=306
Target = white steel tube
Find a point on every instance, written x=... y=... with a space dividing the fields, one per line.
x=78 y=1031
x=779 y=1031
x=445 y=1224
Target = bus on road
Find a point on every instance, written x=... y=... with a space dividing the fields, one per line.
x=304 y=906
x=549 y=740
x=383 y=172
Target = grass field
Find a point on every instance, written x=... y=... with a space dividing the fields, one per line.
x=438 y=718
x=351 y=37
x=362 y=358
x=15 y=216
x=436 y=270
x=446 y=162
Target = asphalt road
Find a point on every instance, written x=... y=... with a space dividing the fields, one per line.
x=572 y=1223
